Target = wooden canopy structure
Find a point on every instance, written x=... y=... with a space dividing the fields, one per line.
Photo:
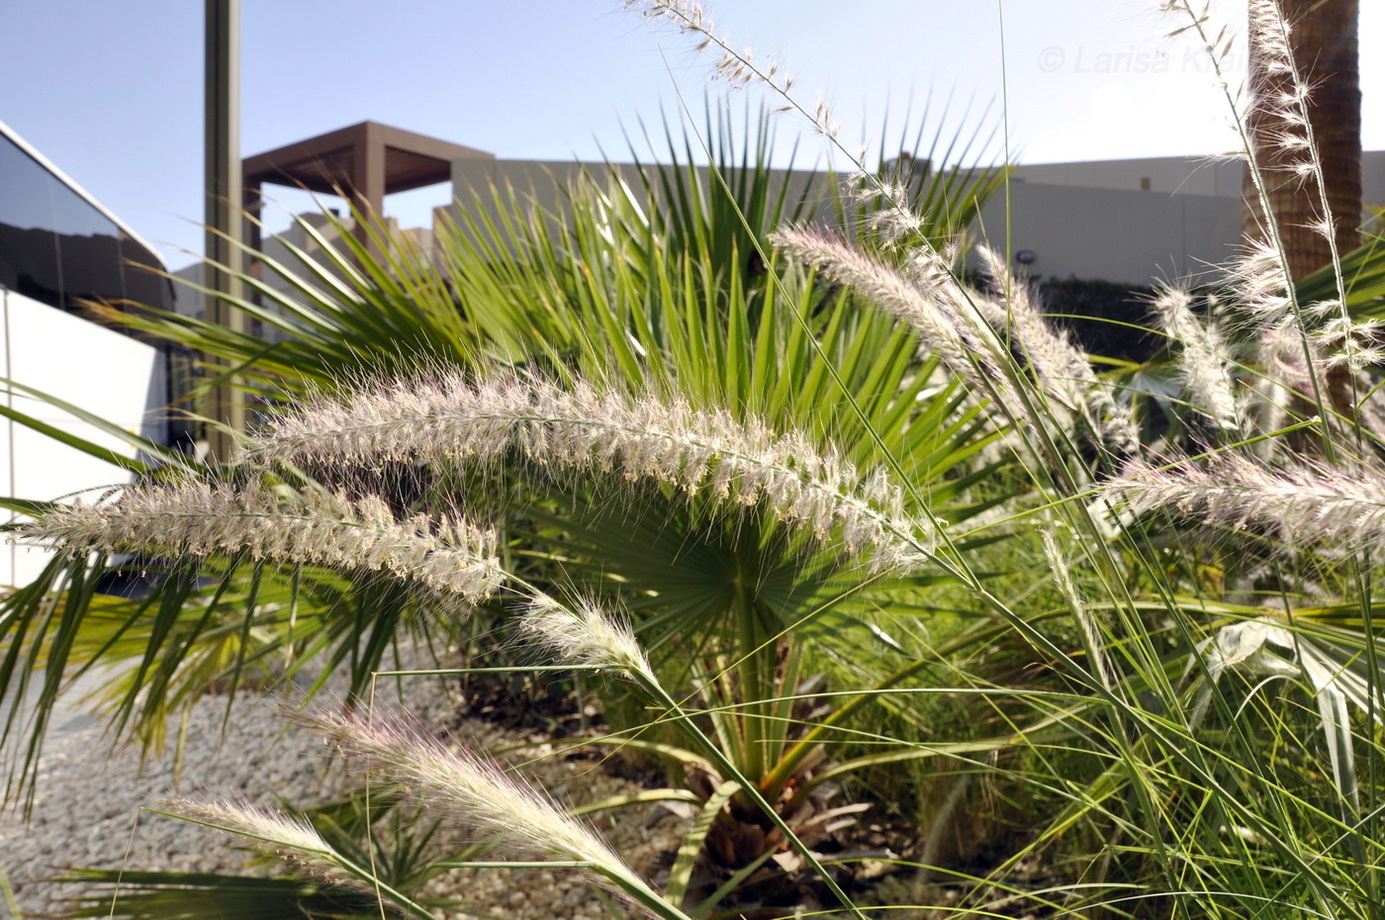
x=364 y=162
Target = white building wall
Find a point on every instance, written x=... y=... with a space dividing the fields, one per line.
x=1128 y=237
x=1090 y=220
x=1166 y=175
x=1181 y=175
x=1085 y=220
x=542 y=183
x=103 y=372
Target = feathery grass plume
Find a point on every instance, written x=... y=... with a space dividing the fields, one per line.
x=273 y=832
x=1264 y=272
x=294 y=839
x=590 y=432
x=735 y=68
x=1203 y=364
x=1303 y=504
x=1278 y=140
x=1260 y=294
x=1260 y=287
x=195 y=518
x=1347 y=343
x=964 y=328
x=938 y=312
x=1279 y=359
x=889 y=215
x=1091 y=634
x=1269 y=30
x=1283 y=139
x=1063 y=370
x=1294 y=137
x=584 y=635
x=1285 y=382
x=1289 y=358
x=497 y=806
x=1282 y=97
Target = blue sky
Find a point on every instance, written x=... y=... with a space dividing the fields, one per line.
x=111 y=92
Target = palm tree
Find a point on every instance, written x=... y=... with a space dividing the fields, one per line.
x=682 y=303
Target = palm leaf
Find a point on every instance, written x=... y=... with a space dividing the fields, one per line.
x=646 y=279
x=205 y=896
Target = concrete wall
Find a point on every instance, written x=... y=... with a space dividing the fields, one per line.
x=1166 y=175
x=106 y=373
x=1086 y=220
x=1129 y=237
x=540 y=181
x=1181 y=175
x=1094 y=220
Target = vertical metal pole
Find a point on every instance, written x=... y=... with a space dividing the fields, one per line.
x=225 y=228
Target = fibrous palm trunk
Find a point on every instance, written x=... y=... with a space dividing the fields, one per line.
x=1324 y=46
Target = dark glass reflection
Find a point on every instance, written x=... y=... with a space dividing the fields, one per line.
x=58 y=249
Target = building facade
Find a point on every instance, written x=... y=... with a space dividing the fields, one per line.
x=1131 y=221
x=60 y=250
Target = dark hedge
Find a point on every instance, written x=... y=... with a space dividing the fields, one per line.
x=1102 y=316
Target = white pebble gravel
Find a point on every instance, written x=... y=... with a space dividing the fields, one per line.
x=90 y=808
x=91 y=800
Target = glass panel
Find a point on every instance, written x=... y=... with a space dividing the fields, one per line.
x=88 y=249
x=143 y=284
x=57 y=248
x=28 y=244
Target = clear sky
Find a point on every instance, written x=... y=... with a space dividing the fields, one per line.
x=112 y=92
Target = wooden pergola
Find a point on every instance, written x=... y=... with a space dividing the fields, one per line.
x=363 y=163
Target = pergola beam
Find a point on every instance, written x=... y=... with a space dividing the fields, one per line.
x=363 y=163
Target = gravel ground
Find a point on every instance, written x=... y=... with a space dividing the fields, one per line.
x=90 y=808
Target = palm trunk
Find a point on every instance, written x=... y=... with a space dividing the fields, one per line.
x=1323 y=43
